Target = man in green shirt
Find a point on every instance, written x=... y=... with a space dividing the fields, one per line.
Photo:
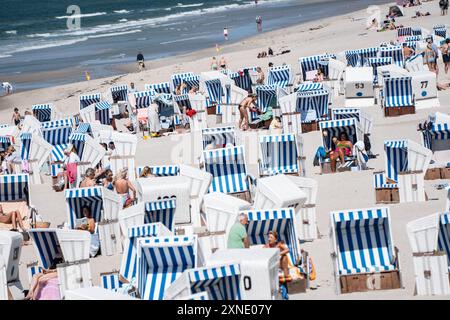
x=237 y=238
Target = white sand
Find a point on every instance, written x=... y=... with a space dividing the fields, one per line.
x=336 y=191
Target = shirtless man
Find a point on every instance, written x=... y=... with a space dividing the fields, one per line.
x=123 y=187
x=407 y=51
x=12 y=217
x=89 y=179
x=247 y=103
x=223 y=63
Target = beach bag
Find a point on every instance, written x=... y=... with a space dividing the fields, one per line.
x=191 y=112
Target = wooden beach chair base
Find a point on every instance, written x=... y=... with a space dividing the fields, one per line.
x=387 y=195
x=437 y=173
x=399 y=111
x=211 y=110
x=246 y=196
x=325 y=168
x=308 y=127
x=370 y=281
x=297 y=286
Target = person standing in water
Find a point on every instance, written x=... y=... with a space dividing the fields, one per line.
x=141 y=61
x=225 y=33
x=259 y=23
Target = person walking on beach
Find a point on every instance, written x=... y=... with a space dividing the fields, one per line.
x=443 y=4
x=141 y=61
x=223 y=63
x=446 y=54
x=16 y=117
x=225 y=33
x=259 y=23
x=214 y=64
x=7 y=87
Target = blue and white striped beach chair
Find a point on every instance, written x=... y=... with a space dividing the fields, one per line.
x=221 y=282
x=163 y=87
x=187 y=77
x=282 y=220
x=84 y=128
x=5 y=142
x=378 y=62
x=311 y=63
x=362 y=244
x=440 y=30
x=335 y=128
x=218 y=137
x=440 y=133
x=182 y=101
x=57 y=133
x=32 y=270
x=161 y=260
x=161 y=211
x=161 y=171
x=36 y=151
x=103 y=203
x=357 y=58
x=191 y=82
x=229 y=171
x=43 y=112
x=14 y=187
x=313 y=106
x=88 y=99
x=306 y=87
x=415 y=63
x=266 y=97
x=398 y=97
x=128 y=267
x=416 y=31
x=143 y=99
x=279 y=154
x=243 y=79
x=280 y=76
x=395 y=52
x=215 y=93
x=119 y=92
x=102 y=111
x=405 y=31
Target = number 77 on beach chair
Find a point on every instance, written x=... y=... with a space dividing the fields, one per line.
x=363 y=252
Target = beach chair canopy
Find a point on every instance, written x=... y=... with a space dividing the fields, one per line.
x=125 y=143
x=395 y=52
x=163 y=87
x=280 y=76
x=88 y=99
x=14 y=187
x=128 y=267
x=218 y=137
x=404 y=31
x=358 y=58
x=191 y=81
x=102 y=110
x=312 y=86
x=362 y=241
x=398 y=92
x=161 y=171
x=119 y=92
x=242 y=79
x=187 y=77
x=182 y=100
x=438 y=137
x=57 y=133
x=311 y=63
x=31 y=125
x=313 y=105
x=282 y=220
x=405 y=155
x=161 y=260
x=228 y=168
x=103 y=204
x=161 y=211
x=335 y=128
x=143 y=99
x=266 y=96
x=58 y=245
x=88 y=149
x=34 y=148
x=377 y=62
x=279 y=154
x=84 y=127
x=346 y=113
x=221 y=282
x=440 y=30
x=214 y=90
x=6 y=141
x=43 y=112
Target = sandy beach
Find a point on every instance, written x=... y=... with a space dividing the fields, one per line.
x=345 y=190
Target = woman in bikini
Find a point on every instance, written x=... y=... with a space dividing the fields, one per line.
x=13 y=217
x=108 y=182
x=123 y=187
x=247 y=103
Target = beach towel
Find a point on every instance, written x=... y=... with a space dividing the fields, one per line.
x=49 y=290
x=25 y=166
x=71 y=171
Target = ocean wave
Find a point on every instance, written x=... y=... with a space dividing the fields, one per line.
x=39 y=35
x=180 y=5
x=122 y=11
x=112 y=34
x=5 y=56
x=46 y=45
x=182 y=40
x=82 y=15
x=123 y=20
x=11 y=32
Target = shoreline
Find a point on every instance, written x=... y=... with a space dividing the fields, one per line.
x=30 y=81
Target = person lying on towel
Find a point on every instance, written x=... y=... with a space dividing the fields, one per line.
x=45 y=285
x=13 y=217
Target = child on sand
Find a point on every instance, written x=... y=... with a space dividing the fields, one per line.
x=16 y=117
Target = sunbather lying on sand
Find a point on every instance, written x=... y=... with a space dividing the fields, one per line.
x=13 y=217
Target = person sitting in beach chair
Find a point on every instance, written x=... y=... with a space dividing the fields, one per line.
x=284 y=252
x=343 y=147
x=41 y=280
x=13 y=217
